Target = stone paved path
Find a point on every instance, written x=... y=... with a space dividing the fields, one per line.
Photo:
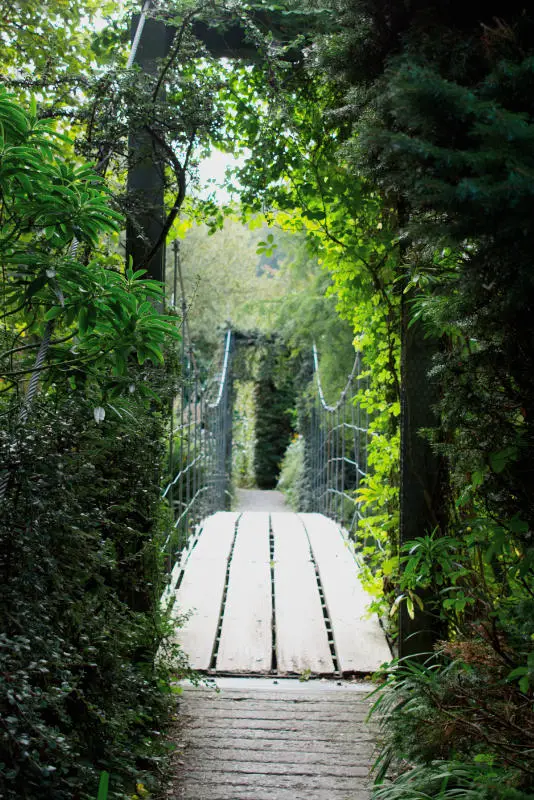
x=262 y=739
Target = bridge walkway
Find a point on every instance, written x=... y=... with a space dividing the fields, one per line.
x=275 y=595
x=273 y=739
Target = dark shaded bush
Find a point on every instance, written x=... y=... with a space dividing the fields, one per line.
x=81 y=527
x=274 y=398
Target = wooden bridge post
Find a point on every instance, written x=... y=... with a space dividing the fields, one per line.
x=146 y=179
x=423 y=500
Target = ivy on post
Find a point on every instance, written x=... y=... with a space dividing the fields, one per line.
x=145 y=243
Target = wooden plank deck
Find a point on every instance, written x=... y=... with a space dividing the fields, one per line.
x=201 y=590
x=302 y=621
x=255 y=741
x=360 y=642
x=246 y=636
x=301 y=635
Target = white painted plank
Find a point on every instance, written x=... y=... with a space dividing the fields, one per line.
x=327 y=540
x=202 y=588
x=301 y=638
x=360 y=641
x=291 y=543
x=217 y=534
x=252 y=542
x=246 y=636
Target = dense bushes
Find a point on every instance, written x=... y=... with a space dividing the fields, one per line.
x=82 y=520
x=410 y=165
x=274 y=399
x=456 y=728
x=292 y=478
x=80 y=570
x=441 y=105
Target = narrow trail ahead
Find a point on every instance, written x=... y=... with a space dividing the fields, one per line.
x=260 y=500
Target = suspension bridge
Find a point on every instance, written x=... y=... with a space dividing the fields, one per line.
x=275 y=596
x=269 y=592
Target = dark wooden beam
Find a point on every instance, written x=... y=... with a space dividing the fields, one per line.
x=146 y=179
x=423 y=486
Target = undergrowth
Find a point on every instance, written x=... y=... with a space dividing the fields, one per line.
x=81 y=690
x=457 y=726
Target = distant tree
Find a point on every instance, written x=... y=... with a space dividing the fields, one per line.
x=274 y=399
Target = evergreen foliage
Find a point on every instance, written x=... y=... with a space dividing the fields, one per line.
x=274 y=400
x=81 y=580
x=441 y=108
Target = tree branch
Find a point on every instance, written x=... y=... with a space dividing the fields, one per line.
x=179 y=171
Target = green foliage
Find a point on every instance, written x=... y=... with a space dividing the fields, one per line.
x=452 y=781
x=349 y=264
x=53 y=39
x=274 y=400
x=408 y=164
x=52 y=211
x=243 y=435
x=438 y=118
x=82 y=519
x=103 y=786
x=306 y=312
x=291 y=477
x=224 y=282
x=447 y=731
x=81 y=529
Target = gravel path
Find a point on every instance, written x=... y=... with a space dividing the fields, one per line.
x=260 y=500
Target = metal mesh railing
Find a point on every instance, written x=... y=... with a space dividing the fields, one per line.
x=200 y=449
x=336 y=441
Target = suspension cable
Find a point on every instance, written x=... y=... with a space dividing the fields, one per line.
x=222 y=382
x=348 y=385
x=138 y=33
x=203 y=472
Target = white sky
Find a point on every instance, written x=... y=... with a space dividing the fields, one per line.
x=212 y=175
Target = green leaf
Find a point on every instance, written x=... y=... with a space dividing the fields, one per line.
x=83 y=317
x=517 y=673
x=500 y=459
x=52 y=313
x=390 y=565
x=103 y=787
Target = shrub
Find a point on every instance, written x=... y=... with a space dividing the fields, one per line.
x=292 y=473
x=80 y=620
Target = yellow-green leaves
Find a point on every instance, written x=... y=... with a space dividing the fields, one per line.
x=53 y=211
